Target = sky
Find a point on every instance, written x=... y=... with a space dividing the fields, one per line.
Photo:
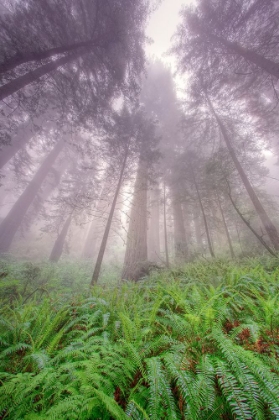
x=162 y=25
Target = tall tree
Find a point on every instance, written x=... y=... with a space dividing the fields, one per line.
x=231 y=38
x=153 y=237
x=180 y=240
x=266 y=221
x=11 y=223
x=39 y=37
x=59 y=243
x=125 y=136
x=136 y=248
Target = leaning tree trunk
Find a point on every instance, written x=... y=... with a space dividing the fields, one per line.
x=58 y=246
x=18 y=142
x=11 y=223
x=24 y=133
x=34 y=56
x=100 y=257
x=226 y=227
x=136 y=249
x=262 y=241
x=48 y=188
x=266 y=221
x=32 y=76
x=180 y=241
x=153 y=239
x=263 y=63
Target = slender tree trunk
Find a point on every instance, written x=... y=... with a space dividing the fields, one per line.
x=20 y=140
x=90 y=243
x=265 y=64
x=226 y=227
x=24 y=133
x=32 y=76
x=266 y=221
x=136 y=249
x=11 y=223
x=210 y=246
x=48 y=188
x=198 y=233
x=153 y=243
x=238 y=237
x=60 y=241
x=165 y=229
x=187 y=218
x=100 y=257
x=96 y=225
x=19 y=59
x=180 y=241
x=262 y=241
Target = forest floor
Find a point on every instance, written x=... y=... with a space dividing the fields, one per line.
x=195 y=342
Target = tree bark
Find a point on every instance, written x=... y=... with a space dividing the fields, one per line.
x=210 y=246
x=266 y=221
x=226 y=227
x=251 y=56
x=96 y=225
x=265 y=64
x=24 y=133
x=60 y=241
x=18 y=142
x=19 y=59
x=100 y=257
x=180 y=241
x=262 y=241
x=165 y=229
x=153 y=243
x=198 y=233
x=90 y=242
x=22 y=81
x=11 y=223
x=136 y=249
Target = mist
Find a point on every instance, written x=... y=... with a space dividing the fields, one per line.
x=138 y=160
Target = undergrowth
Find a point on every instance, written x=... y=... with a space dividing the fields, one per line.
x=199 y=342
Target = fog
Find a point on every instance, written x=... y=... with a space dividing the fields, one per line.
x=125 y=153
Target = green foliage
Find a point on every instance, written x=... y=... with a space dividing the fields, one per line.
x=201 y=342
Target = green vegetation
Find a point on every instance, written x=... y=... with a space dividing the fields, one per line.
x=200 y=342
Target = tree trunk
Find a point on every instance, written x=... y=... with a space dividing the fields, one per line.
x=20 y=140
x=198 y=233
x=226 y=227
x=210 y=246
x=262 y=241
x=19 y=59
x=100 y=257
x=265 y=64
x=24 y=133
x=11 y=223
x=267 y=223
x=90 y=243
x=238 y=237
x=153 y=244
x=96 y=225
x=136 y=249
x=22 y=81
x=180 y=241
x=59 y=243
x=165 y=229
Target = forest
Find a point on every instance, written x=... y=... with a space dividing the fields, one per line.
x=139 y=213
